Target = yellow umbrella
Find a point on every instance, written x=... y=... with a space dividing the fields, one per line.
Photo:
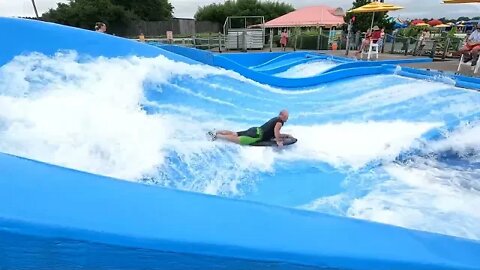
x=422 y=24
x=460 y=1
x=442 y=26
x=375 y=7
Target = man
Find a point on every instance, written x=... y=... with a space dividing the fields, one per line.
x=100 y=27
x=471 y=49
x=372 y=35
x=266 y=132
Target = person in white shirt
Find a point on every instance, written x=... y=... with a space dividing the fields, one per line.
x=472 y=47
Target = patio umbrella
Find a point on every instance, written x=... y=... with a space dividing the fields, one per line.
x=442 y=26
x=435 y=22
x=375 y=7
x=460 y=1
x=422 y=24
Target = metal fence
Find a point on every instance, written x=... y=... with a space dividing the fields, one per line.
x=439 y=47
x=244 y=42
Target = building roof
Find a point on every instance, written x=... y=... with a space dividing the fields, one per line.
x=309 y=16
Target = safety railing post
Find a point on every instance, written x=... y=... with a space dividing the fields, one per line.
x=447 y=44
x=407 y=44
x=271 y=39
x=394 y=38
x=219 y=42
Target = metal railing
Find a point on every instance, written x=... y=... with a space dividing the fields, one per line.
x=439 y=47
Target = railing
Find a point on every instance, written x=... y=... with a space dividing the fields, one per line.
x=246 y=39
x=440 y=47
x=437 y=47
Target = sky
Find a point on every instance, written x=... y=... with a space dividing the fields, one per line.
x=186 y=8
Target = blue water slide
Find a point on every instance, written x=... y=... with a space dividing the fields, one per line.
x=345 y=69
x=53 y=217
x=43 y=203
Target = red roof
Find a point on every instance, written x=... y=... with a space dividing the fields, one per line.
x=308 y=16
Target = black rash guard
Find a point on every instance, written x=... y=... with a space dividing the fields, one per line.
x=269 y=128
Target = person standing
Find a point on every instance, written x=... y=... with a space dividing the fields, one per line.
x=284 y=39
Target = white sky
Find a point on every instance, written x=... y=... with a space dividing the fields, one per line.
x=186 y=8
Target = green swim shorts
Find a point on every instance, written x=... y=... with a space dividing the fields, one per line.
x=250 y=136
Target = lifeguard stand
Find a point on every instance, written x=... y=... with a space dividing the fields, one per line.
x=244 y=32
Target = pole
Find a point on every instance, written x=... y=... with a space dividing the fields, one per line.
x=318 y=38
x=35 y=8
x=373 y=16
x=348 y=37
x=271 y=39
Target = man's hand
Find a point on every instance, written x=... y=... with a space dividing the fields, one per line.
x=279 y=143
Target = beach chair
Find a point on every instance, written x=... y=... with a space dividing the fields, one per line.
x=469 y=63
x=373 y=48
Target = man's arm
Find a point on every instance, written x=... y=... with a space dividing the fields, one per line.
x=276 y=132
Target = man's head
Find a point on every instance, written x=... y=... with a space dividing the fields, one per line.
x=101 y=27
x=283 y=115
x=478 y=26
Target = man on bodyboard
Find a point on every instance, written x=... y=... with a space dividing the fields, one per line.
x=270 y=131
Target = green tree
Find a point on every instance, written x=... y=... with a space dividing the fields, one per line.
x=463 y=19
x=364 y=20
x=148 y=10
x=219 y=12
x=84 y=14
x=117 y=14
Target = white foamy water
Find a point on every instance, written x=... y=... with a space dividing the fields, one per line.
x=354 y=144
x=89 y=115
x=439 y=192
x=427 y=196
x=309 y=69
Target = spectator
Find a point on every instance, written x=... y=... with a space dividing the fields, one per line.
x=284 y=39
x=381 y=39
x=100 y=27
x=472 y=46
x=370 y=37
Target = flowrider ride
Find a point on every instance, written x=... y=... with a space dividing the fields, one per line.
x=266 y=135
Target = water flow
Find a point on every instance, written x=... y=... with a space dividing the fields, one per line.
x=145 y=119
x=309 y=69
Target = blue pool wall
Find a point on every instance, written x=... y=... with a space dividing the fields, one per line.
x=58 y=218
x=40 y=202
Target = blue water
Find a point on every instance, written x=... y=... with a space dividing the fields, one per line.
x=145 y=120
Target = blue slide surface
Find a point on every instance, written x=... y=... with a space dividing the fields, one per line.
x=104 y=161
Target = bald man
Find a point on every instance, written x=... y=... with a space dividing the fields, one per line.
x=266 y=132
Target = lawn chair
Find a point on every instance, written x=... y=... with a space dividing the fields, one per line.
x=372 y=48
x=469 y=63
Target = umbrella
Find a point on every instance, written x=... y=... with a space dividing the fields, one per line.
x=417 y=21
x=422 y=24
x=434 y=22
x=460 y=1
x=375 y=7
x=442 y=26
